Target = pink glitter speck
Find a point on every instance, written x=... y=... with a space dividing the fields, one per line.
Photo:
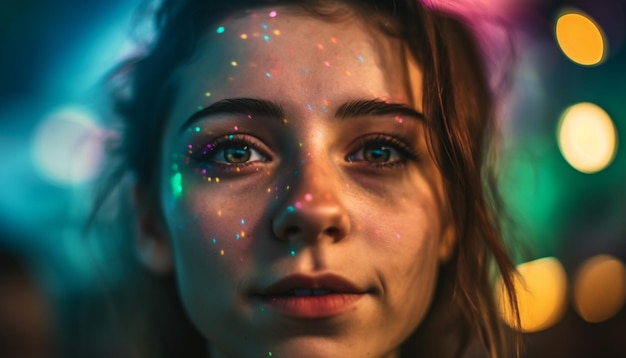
x=273 y=13
x=298 y=205
x=236 y=128
x=308 y=197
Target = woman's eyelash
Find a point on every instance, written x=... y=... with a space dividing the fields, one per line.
x=233 y=151
x=385 y=145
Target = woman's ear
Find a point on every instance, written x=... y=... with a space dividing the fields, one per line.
x=447 y=244
x=153 y=243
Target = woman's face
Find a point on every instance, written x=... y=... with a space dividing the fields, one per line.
x=304 y=213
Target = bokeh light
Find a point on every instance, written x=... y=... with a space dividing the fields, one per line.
x=541 y=291
x=580 y=38
x=67 y=146
x=587 y=137
x=600 y=288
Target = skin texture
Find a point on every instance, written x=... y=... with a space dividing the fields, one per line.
x=319 y=193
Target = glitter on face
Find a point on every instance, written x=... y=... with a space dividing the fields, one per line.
x=298 y=205
x=177 y=186
x=277 y=32
x=208 y=94
x=214 y=240
x=220 y=30
x=285 y=121
x=273 y=13
x=320 y=46
x=236 y=128
x=291 y=209
x=292 y=253
x=361 y=59
x=233 y=63
x=222 y=252
x=237 y=236
x=197 y=130
x=399 y=119
x=242 y=222
x=269 y=354
x=333 y=40
x=219 y=213
x=200 y=108
x=266 y=38
x=309 y=107
x=326 y=63
x=265 y=26
x=217 y=179
x=308 y=197
x=244 y=36
x=268 y=75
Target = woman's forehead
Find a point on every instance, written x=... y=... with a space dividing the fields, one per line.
x=274 y=48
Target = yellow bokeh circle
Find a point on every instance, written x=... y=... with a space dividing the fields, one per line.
x=541 y=289
x=580 y=38
x=587 y=137
x=600 y=288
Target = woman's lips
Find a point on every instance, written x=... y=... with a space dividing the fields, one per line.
x=302 y=296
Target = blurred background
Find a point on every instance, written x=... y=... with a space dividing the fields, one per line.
x=563 y=170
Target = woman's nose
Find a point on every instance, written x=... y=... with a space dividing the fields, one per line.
x=313 y=211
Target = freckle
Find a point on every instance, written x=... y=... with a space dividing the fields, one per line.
x=298 y=205
x=222 y=252
x=277 y=32
x=308 y=197
x=219 y=213
x=325 y=101
x=244 y=36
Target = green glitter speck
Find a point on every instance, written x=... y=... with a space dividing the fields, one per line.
x=177 y=185
x=220 y=30
x=269 y=354
x=293 y=253
x=197 y=129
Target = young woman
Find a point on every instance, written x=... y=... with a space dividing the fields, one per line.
x=312 y=178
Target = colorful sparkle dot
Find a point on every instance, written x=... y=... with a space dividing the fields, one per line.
x=242 y=233
x=214 y=240
x=298 y=205
x=236 y=128
x=219 y=213
x=320 y=46
x=200 y=108
x=217 y=180
x=285 y=121
x=292 y=253
x=308 y=197
x=277 y=32
x=222 y=252
x=237 y=236
x=273 y=13
x=309 y=107
x=209 y=179
x=266 y=38
x=262 y=308
x=264 y=26
x=220 y=30
x=361 y=59
x=269 y=190
x=197 y=129
x=243 y=222
x=269 y=354
x=333 y=40
x=177 y=186
x=244 y=36
x=399 y=119
x=208 y=94
x=268 y=75
x=233 y=63
x=291 y=209
x=326 y=63
x=348 y=73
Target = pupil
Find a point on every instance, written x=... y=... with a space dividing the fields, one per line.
x=237 y=154
x=378 y=154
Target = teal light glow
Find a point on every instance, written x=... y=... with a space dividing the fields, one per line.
x=177 y=184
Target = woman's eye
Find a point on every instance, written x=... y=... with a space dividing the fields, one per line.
x=377 y=153
x=236 y=153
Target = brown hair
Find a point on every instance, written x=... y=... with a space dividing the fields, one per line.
x=460 y=116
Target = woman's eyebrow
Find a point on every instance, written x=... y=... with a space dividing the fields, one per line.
x=375 y=107
x=244 y=106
